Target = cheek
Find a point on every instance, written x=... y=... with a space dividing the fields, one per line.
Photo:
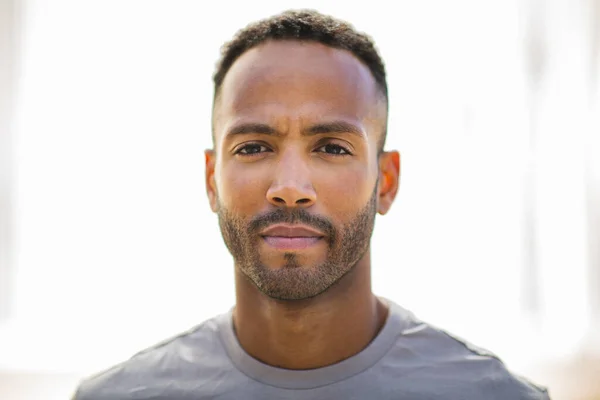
x=241 y=189
x=344 y=191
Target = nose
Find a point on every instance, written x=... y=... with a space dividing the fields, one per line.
x=291 y=185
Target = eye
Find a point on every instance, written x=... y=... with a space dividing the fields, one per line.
x=334 y=150
x=252 y=149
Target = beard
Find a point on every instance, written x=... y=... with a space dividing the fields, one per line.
x=346 y=246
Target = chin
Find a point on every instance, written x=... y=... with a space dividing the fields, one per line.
x=290 y=260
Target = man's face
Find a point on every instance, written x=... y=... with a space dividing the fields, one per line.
x=294 y=176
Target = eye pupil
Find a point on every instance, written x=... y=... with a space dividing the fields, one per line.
x=252 y=149
x=333 y=149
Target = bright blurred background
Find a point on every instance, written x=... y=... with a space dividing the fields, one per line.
x=107 y=243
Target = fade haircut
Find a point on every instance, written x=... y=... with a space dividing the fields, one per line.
x=310 y=26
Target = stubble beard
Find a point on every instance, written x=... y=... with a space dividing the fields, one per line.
x=295 y=281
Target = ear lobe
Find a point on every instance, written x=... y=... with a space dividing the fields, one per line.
x=389 y=170
x=211 y=186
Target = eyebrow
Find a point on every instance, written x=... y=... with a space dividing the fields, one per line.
x=317 y=129
x=335 y=127
x=247 y=128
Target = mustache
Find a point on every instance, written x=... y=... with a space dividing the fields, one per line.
x=295 y=216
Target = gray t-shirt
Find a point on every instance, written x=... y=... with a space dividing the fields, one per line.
x=408 y=360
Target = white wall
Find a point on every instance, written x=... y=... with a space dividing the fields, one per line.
x=9 y=46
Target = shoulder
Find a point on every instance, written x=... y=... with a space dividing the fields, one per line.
x=492 y=376
x=150 y=371
x=442 y=363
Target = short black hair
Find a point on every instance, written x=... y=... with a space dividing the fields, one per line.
x=303 y=25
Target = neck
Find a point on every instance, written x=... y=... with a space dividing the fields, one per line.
x=311 y=333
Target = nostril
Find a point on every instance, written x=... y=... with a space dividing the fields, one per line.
x=303 y=201
x=279 y=200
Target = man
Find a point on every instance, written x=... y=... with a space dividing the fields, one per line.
x=296 y=176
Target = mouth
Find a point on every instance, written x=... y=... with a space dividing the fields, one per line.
x=291 y=237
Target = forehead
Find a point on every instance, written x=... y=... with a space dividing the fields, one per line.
x=296 y=80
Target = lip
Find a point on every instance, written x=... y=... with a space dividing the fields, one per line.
x=291 y=237
x=292 y=231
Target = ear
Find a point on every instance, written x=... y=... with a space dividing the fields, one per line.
x=211 y=186
x=389 y=180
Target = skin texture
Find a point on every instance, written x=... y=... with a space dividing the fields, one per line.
x=297 y=128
